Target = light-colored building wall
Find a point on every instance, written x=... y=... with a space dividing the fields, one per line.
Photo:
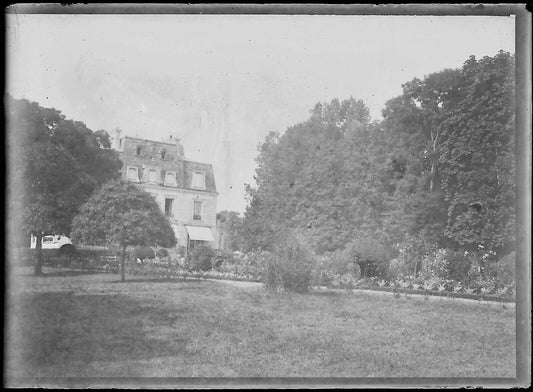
x=182 y=212
x=161 y=169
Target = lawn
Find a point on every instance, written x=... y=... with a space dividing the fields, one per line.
x=94 y=326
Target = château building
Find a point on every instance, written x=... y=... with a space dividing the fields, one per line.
x=185 y=190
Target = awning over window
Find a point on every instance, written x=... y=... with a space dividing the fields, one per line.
x=199 y=233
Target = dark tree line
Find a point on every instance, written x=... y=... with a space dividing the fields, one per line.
x=437 y=170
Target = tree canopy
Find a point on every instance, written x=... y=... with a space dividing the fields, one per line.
x=122 y=213
x=55 y=164
x=444 y=145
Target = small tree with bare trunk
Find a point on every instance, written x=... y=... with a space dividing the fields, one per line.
x=121 y=213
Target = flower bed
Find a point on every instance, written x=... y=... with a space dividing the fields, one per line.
x=163 y=269
x=248 y=268
x=480 y=297
x=85 y=260
x=482 y=290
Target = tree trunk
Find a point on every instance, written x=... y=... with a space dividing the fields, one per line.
x=433 y=172
x=122 y=264
x=432 y=176
x=38 y=266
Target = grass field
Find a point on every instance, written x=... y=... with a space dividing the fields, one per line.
x=94 y=326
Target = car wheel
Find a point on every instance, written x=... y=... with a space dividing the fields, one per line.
x=67 y=250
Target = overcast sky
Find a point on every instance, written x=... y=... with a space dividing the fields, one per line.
x=221 y=82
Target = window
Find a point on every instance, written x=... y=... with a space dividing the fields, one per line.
x=48 y=238
x=163 y=153
x=168 y=207
x=152 y=175
x=197 y=213
x=133 y=174
x=139 y=149
x=198 y=180
x=170 y=178
x=194 y=243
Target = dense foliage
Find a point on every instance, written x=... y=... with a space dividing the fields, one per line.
x=121 y=213
x=55 y=165
x=289 y=267
x=202 y=258
x=436 y=174
x=229 y=225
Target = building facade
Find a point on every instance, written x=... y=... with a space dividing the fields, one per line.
x=185 y=190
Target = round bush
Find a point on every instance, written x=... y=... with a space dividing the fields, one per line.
x=290 y=267
x=201 y=258
x=161 y=253
x=458 y=265
x=143 y=252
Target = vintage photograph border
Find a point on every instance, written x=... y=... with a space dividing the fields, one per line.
x=523 y=186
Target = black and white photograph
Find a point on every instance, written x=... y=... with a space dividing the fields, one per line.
x=267 y=196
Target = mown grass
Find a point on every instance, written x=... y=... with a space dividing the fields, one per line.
x=93 y=326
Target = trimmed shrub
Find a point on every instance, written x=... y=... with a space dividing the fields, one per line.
x=162 y=253
x=201 y=258
x=143 y=252
x=290 y=267
x=458 y=265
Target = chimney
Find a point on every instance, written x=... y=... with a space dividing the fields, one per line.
x=179 y=148
x=117 y=139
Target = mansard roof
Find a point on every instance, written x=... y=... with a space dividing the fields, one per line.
x=144 y=153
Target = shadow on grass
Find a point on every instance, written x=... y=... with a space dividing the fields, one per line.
x=325 y=293
x=70 y=331
x=62 y=273
x=160 y=280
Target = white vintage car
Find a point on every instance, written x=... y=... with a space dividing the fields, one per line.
x=57 y=241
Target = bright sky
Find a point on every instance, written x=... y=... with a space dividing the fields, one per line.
x=222 y=82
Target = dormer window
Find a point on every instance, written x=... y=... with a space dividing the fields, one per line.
x=152 y=175
x=170 y=178
x=133 y=173
x=198 y=180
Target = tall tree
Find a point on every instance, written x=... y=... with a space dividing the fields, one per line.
x=121 y=213
x=478 y=168
x=414 y=123
x=230 y=226
x=320 y=177
x=55 y=164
